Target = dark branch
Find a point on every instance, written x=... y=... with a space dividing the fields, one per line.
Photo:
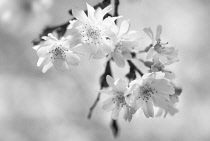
x=133 y=68
x=103 y=84
x=93 y=106
x=115 y=128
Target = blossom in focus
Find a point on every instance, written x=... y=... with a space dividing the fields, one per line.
x=117 y=99
x=152 y=90
x=57 y=53
x=158 y=50
x=124 y=43
x=93 y=30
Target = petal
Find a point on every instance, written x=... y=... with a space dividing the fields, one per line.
x=116 y=111
x=130 y=44
x=99 y=14
x=105 y=47
x=108 y=104
x=79 y=15
x=119 y=60
x=43 y=51
x=60 y=64
x=127 y=55
x=99 y=54
x=121 y=85
x=126 y=113
x=163 y=59
x=150 y=109
x=91 y=12
x=158 y=32
x=36 y=47
x=123 y=28
x=149 y=32
x=159 y=75
x=110 y=81
x=40 y=60
x=163 y=86
x=144 y=108
x=150 y=53
x=72 y=59
x=47 y=67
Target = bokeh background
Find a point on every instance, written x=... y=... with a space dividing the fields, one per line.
x=54 y=106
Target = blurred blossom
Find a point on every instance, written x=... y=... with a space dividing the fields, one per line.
x=24 y=15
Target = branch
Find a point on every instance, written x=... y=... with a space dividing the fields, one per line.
x=133 y=68
x=103 y=84
x=115 y=128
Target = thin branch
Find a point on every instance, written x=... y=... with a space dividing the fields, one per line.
x=93 y=106
x=103 y=84
x=116 y=5
x=134 y=67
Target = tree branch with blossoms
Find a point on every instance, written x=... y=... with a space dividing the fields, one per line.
x=96 y=33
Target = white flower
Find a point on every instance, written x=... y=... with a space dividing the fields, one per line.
x=93 y=30
x=57 y=53
x=166 y=55
x=152 y=90
x=117 y=100
x=123 y=42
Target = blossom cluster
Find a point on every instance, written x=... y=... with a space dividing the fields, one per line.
x=99 y=37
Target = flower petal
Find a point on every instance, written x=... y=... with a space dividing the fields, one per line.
x=163 y=59
x=99 y=14
x=123 y=28
x=127 y=55
x=150 y=109
x=144 y=108
x=47 y=67
x=150 y=53
x=121 y=85
x=72 y=59
x=43 y=51
x=119 y=60
x=60 y=64
x=108 y=104
x=116 y=111
x=110 y=81
x=149 y=32
x=91 y=12
x=79 y=15
x=163 y=86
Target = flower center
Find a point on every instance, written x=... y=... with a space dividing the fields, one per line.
x=119 y=47
x=158 y=48
x=146 y=92
x=119 y=99
x=58 y=52
x=91 y=34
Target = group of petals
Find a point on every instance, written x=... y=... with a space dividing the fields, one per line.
x=152 y=91
x=90 y=34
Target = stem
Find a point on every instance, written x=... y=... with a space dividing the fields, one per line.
x=116 y=5
x=93 y=106
x=134 y=67
x=103 y=84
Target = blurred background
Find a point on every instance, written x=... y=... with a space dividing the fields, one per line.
x=54 y=106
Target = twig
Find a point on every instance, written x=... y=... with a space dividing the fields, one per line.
x=103 y=84
x=132 y=66
x=93 y=106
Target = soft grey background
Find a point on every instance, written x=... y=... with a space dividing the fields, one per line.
x=54 y=106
